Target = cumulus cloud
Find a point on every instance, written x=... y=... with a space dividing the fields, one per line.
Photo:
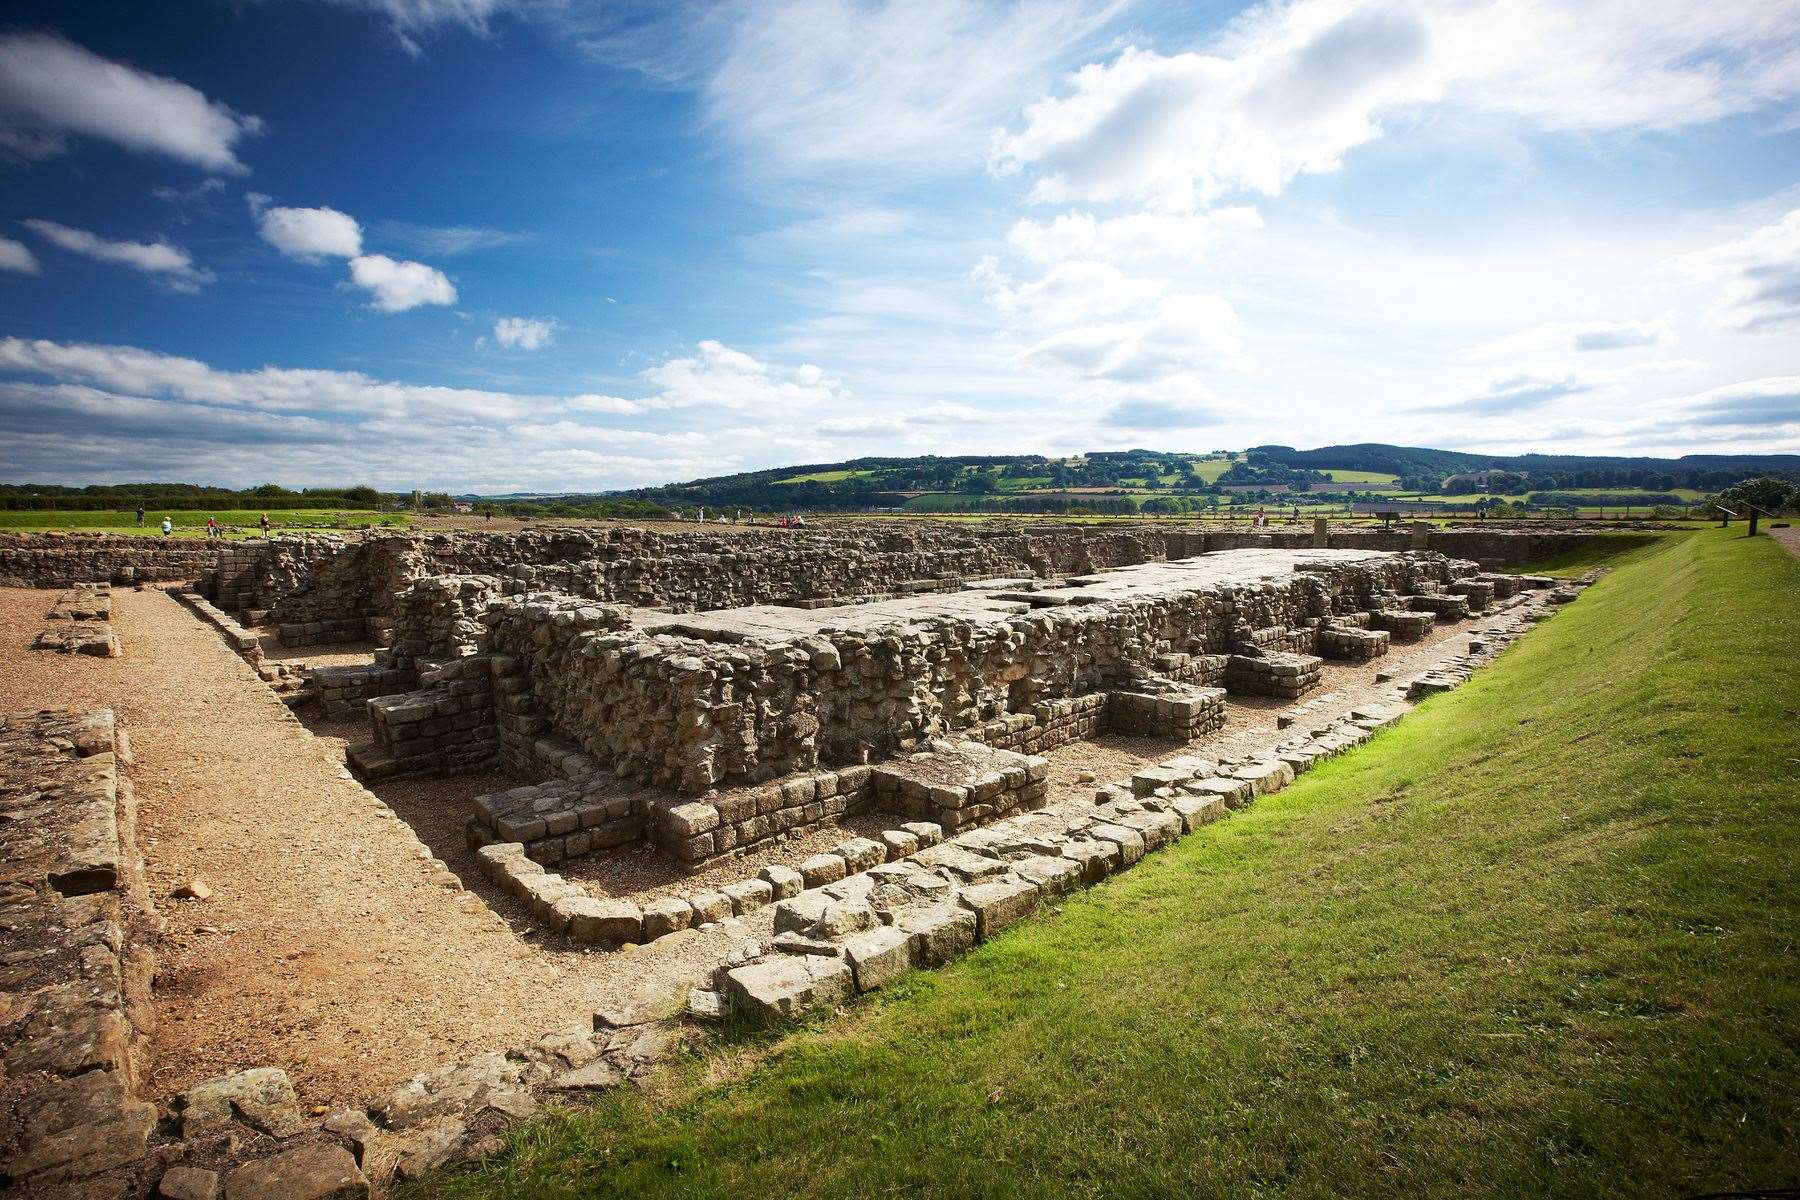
x=17 y=256
x=85 y=411
x=525 y=333
x=310 y=234
x=399 y=285
x=1152 y=414
x=169 y=264
x=52 y=90
x=1760 y=275
x=720 y=377
x=1072 y=291
x=1292 y=88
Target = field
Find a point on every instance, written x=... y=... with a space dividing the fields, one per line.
x=192 y=523
x=823 y=477
x=1535 y=940
x=1341 y=475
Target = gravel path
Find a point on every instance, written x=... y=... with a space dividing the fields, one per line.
x=1789 y=537
x=326 y=947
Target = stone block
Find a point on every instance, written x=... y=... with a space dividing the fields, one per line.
x=789 y=985
x=749 y=895
x=822 y=869
x=322 y=1171
x=878 y=957
x=665 y=915
x=940 y=933
x=783 y=881
x=615 y=921
x=998 y=904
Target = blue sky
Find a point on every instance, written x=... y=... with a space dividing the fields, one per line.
x=489 y=246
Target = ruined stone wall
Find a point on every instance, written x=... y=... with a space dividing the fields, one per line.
x=52 y=560
x=76 y=941
x=694 y=715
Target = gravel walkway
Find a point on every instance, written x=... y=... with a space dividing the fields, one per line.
x=325 y=948
x=1789 y=537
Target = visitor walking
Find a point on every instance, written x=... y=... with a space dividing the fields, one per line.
x=168 y=527
x=212 y=528
x=265 y=524
x=140 y=516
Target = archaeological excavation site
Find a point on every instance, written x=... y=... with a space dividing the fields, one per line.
x=329 y=857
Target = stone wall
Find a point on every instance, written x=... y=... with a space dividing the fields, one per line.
x=77 y=965
x=694 y=714
x=52 y=560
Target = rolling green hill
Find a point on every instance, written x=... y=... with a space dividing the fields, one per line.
x=1129 y=480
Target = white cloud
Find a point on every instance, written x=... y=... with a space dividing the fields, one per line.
x=449 y=240
x=17 y=256
x=1074 y=291
x=720 y=377
x=398 y=285
x=1760 y=276
x=410 y=20
x=310 y=234
x=1137 y=236
x=1187 y=332
x=94 y=412
x=1582 y=337
x=882 y=85
x=1755 y=404
x=1619 y=335
x=1516 y=392
x=525 y=333
x=1291 y=88
x=51 y=89
x=170 y=264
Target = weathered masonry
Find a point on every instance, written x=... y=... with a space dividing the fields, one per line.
x=711 y=733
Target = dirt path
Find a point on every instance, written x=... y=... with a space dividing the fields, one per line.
x=1789 y=537
x=326 y=947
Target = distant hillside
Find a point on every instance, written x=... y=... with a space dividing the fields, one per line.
x=1181 y=481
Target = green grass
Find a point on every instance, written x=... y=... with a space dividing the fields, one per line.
x=1600 y=550
x=1538 y=939
x=1340 y=475
x=192 y=522
x=823 y=477
x=1211 y=469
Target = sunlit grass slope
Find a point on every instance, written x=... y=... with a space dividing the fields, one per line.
x=1539 y=939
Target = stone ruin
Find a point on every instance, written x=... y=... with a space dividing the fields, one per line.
x=714 y=733
x=648 y=696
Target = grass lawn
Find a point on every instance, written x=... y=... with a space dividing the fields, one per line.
x=1341 y=475
x=1538 y=939
x=823 y=477
x=192 y=522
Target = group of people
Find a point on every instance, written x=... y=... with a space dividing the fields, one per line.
x=213 y=528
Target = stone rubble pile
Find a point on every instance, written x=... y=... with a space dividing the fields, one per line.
x=79 y=621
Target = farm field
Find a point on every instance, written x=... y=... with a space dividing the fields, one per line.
x=192 y=522
x=1406 y=975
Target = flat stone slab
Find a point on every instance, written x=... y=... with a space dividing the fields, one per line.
x=789 y=985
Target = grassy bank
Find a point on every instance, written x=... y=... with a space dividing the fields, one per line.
x=1539 y=939
x=192 y=522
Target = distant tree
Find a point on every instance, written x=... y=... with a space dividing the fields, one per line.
x=1769 y=494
